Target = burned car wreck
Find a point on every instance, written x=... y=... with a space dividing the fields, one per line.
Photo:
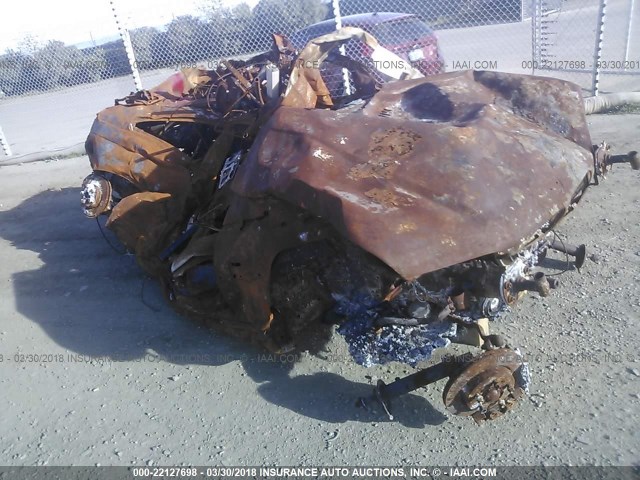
x=410 y=214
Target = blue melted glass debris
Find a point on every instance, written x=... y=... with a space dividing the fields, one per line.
x=394 y=343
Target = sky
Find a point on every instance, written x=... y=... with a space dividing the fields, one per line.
x=80 y=21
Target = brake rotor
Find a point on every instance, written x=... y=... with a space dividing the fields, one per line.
x=487 y=386
x=95 y=195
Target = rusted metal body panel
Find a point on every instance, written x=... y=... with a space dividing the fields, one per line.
x=116 y=145
x=430 y=172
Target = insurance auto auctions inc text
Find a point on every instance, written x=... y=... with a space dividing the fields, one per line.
x=375 y=472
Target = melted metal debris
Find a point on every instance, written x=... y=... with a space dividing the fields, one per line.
x=523 y=375
x=393 y=343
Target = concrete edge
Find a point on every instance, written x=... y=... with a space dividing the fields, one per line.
x=77 y=149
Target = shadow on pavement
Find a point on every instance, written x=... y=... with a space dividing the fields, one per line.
x=97 y=303
x=332 y=398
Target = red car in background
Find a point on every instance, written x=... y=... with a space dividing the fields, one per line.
x=403 y=34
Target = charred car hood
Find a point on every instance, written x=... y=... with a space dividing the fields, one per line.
x=430 y=172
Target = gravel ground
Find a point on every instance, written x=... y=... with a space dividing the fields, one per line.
x=122 y=380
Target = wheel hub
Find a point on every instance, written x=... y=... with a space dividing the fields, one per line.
x=486 y=387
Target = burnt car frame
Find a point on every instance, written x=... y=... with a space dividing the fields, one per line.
x=409 y=214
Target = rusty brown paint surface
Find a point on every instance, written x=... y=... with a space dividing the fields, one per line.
x=115 y=144
x=430 y=172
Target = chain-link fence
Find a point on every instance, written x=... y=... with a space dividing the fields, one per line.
x=53 y=81
x=590 y=42
x=37 y=61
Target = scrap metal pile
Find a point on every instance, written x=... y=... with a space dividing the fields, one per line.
x=409 y=213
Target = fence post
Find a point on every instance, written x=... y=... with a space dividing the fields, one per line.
x=525 y=8
x=536 y=34
x=4 y=143
x=597 y=54
x=626 y=51
x=128 y=47
x=338 y=20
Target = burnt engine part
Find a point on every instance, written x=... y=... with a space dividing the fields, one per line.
x=483 y=387
x=579 y=252
x=539 y=283
x=603 y=159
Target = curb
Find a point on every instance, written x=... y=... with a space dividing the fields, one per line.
x=77 y=149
